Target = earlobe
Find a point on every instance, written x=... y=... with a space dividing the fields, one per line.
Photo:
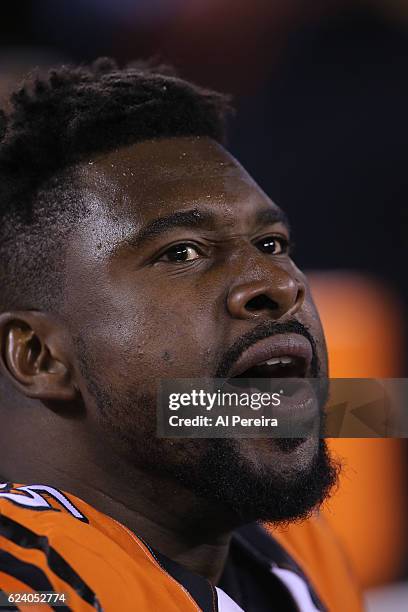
x=34 y=356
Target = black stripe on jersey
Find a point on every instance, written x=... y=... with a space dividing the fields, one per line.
x=24 y=537
x=199 y=588
x=28 y=573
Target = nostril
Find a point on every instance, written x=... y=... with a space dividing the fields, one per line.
x=261 y=302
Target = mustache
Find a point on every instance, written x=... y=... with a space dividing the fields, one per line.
x=265 y=330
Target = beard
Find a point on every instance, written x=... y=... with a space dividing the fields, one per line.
x=274 y=480
x=267 y=492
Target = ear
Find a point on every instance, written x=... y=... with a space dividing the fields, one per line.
x=35 y=355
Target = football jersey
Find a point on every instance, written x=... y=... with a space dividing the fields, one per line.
x=59 y=553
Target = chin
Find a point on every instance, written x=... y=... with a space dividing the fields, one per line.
x=262 y=479
x=280 y=453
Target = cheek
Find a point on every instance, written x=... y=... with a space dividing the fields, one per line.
x=310 y=317
x=140 y=338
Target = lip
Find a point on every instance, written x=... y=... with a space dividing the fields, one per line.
x=292 y=345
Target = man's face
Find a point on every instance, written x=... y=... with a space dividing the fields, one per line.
x=179 y=270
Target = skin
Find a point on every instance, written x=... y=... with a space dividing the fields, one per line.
x=133 y=316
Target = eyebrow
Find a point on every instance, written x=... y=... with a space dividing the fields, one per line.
x=161 y=225
x=197 y=218
x=272 y=215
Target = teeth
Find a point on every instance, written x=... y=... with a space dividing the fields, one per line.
x=278 y=360
x=286 y=360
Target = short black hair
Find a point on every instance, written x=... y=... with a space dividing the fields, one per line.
x=55 y=121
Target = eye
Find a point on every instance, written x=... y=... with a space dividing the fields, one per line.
x=273 y=245
x=179 y=253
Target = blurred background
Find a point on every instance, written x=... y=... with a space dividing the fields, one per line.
x=321 y=93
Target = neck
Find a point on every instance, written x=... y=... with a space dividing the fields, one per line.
x=169 y=517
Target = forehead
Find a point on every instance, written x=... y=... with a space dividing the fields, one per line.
x=150 y=179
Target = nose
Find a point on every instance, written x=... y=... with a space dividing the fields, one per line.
x=278 y=296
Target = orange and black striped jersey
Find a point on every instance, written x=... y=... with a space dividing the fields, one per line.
x=53 y=542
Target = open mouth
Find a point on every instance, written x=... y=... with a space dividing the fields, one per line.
x=267 y=362
x=267 y=376
x=284 y=366
x=279 y=356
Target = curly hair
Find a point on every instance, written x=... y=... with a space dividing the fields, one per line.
x=54 y=122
